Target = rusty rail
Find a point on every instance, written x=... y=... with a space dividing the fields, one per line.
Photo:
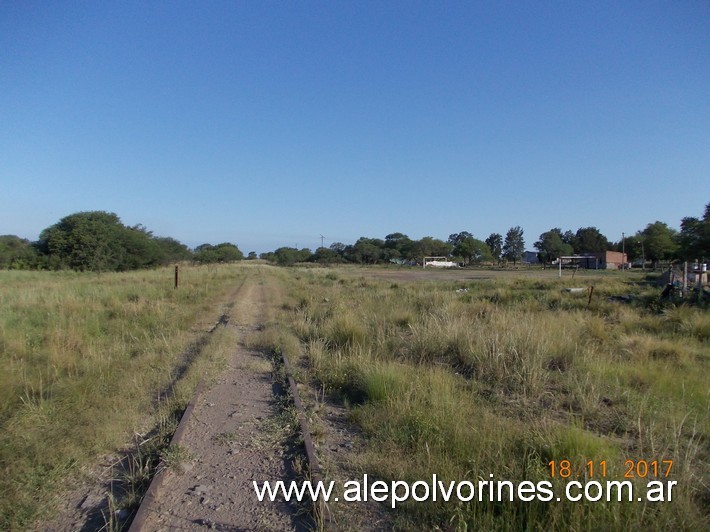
x=152 y=493
x=320 y=507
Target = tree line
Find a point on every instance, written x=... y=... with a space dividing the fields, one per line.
x=99 y=241
x=656 y=242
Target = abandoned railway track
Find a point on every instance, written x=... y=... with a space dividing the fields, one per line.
x=247 y=426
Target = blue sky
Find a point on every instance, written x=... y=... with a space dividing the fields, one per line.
x=268 y=123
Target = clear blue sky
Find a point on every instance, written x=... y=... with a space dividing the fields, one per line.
x=270 y=123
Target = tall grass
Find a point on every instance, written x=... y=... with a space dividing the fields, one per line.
x=509 y=375
x=86 y=361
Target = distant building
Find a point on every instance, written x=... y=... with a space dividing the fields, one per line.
x=610 y=260
x=530 y=257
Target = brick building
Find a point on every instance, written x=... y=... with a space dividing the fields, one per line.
x=610 y=260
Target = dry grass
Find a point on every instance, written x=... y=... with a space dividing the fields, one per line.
x=500 y=378
x=508 y=375
x=87 y=361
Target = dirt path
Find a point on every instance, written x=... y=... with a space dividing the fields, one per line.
x=231 y=440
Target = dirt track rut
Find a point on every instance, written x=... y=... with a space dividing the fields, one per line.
x=232 y=440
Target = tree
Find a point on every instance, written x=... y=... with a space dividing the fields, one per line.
x=660 y=241
x=252 y=255
x=456 y=238
x=224 y=252
x=430 y=247
x=495 y=244
x=568 y=238
x=632 y=246
x=170 y=250
x=366 y=250
x=286 y=256
x=228 y=252
x=551 y=246
x=303 y=255
x=98 y=241
x=514 y=245
x=694 y=237
x=473 y=250
x=325 y=256
x=17 y=253
x=140 y=250
x=589 y=240
x=339 y=248
x=400 y=243
x=93 y=241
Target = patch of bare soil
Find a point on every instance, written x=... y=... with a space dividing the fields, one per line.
x=232 y=439
x=85 y=506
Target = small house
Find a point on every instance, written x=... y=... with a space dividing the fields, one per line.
x=610 y=260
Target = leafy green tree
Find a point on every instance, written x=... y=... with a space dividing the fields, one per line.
x=366 y=250
x=633 y=247
x=472 y=250
x=495 y=244
x=568 y=238
x=98 y=241
x=589 y=240
x=228 y=252
x=660 y=241
x=86 y=241
x=694 y=238
x=514 y=245
x=551 y=246
x=252 y=255
x=398 y=242
x=326 y=256
x=17 y=253
x=171 y=250
x=204 y=254
x=389 y=254
x=303 y=255
x=224 y=252
x=430 y=247
x=339 y=248
x=456 y=238
x=287 y=256
x=140 y=250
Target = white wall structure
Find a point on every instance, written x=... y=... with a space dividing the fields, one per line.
x=439 y=262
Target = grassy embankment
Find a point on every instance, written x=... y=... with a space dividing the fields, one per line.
x=86 y=361
x=509 y=376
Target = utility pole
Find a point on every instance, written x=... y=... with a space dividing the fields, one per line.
x=322 y=239
x=623 y=250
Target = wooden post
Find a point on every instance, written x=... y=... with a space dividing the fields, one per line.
x=176 y=276
x=591 y=292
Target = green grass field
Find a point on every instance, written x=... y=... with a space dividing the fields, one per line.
x=462 y=375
